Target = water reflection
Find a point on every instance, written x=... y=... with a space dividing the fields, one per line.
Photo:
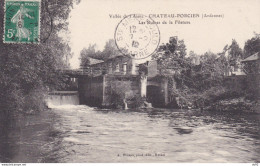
x=84 y=134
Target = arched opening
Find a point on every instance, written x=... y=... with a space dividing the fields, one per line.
x=155 y=96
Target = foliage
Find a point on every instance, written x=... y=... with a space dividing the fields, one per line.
x=136 y=101
x=189 y=80
x=235 y=53
x=119 y=92
x=86 y=53
x=199 y=85
x=171 y=56
x=252 y=46
x=110 y=50
x=27 y=70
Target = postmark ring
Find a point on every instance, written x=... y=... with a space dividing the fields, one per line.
x=137 y=36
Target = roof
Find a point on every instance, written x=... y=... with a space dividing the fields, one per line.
x=116 y=56
x=93 y=61
x=253 y=57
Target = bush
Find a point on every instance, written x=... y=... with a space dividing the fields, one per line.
x=35 y=100
x=119 y=89
x=136 y=101
x=116 y=100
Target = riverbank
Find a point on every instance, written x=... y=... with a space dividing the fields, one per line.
x=235 y=104
x=221 y=98
x=234 y=93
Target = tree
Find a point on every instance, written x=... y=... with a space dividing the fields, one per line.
x=171 y=56
x=110 y=50
x=174 y=46
x=175 y=66
x=192 y=54
x=235 y=53
x=28 y=70
x=190 y=82
x=87 y=53
x=252 y=46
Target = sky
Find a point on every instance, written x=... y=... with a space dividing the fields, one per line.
x=89 y=22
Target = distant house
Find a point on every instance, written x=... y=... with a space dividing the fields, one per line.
x=195 y=60
x=237 y=69
x=93 y=61
x=251 y=64
x=234 y=68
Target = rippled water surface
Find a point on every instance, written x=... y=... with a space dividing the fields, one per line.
x=84 y=134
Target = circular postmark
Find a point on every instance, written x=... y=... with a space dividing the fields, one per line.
x=137 y=36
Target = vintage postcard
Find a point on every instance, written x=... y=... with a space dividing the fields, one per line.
x=133 y=81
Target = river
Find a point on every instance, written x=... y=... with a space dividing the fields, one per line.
x=77 y=133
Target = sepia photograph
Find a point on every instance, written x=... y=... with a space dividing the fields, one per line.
x=133 y=81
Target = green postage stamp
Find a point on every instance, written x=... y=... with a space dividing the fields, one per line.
x=22 y=21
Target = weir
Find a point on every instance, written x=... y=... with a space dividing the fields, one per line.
x=63 y=98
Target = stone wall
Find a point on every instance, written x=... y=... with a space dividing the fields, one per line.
x=97 y=91
x=111 y=82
